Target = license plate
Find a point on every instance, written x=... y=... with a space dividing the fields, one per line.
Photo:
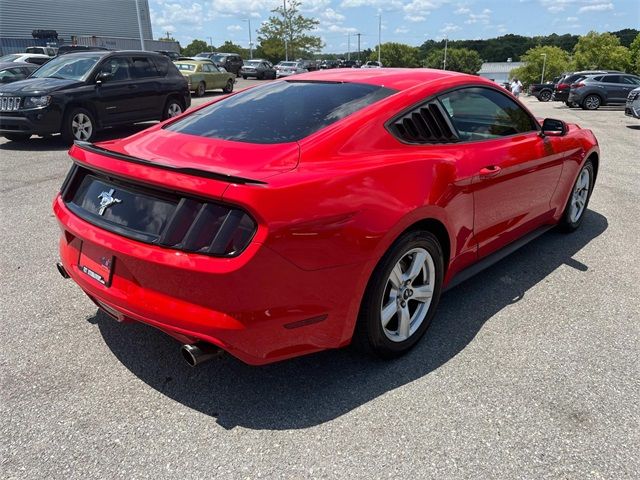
x=97 y=263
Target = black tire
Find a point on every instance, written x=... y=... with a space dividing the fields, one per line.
x=172 y=108
x=70 y=132
x=228 y=88
x=544 y=96
x=568 y=104
x=244 y=76
x=17 y=137
x=369 y=335
x=591 y=102
x=200 y=89
x=568 y=224
x=260 y=76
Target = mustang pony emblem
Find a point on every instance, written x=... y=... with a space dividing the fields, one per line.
x=106 y=200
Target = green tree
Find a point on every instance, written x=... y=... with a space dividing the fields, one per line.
x=557 y=61
x=634 y=50
x=458 y=60
x=230 y=47
x=601 y=50
x=396 y=55
x=286 y=34
x=195 y=47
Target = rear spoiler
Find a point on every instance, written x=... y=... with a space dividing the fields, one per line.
x=197 y=172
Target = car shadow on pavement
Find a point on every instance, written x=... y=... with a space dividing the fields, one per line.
x=634 y=127
x=311 y=390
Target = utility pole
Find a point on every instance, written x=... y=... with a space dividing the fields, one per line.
x=379 y=35
x=248 y=20
x=210 y=44
x=446 y=41
x=358 y=34
x=348 y=45
x=168 y=33
x=140 y=26
x=544 y=64
x=286 y=47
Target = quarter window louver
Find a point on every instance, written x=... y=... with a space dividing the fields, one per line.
x=427 y=123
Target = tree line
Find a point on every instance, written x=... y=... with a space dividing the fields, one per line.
x=288 y=34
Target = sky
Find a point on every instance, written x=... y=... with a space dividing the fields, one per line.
x=405 y=21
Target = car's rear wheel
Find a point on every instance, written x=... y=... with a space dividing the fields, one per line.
x=200 y=89
x=544 y=96
x=17 y=137
x=228 y=88
x=591 y=102
x=79 y=125
x=172 y=109
x=244 y=76
x=579 y=199
x=402 y=296
x=260 y=76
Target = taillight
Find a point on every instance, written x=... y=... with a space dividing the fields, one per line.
x=577 y=85
x=562 y=86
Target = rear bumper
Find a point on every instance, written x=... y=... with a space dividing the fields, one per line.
x=561 y=95
x=34 y=122
x=258 y=306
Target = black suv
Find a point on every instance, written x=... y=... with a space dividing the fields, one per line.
x=231 y=62
x=80 y=93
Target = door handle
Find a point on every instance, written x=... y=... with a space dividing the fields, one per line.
x=490 y=171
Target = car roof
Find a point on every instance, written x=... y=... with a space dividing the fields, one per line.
x=4 y=65
x=396 y=78
x=36 y=55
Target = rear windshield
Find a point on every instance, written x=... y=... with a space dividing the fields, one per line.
x=279 y=112
x=186 y=66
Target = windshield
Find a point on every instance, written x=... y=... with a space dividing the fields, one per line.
x=279 y=112
x=288 y=64
x=218 y=58
x=68 y=67
x=203 y=55
x=186 y=66
x=9 y=58
x=252 y=63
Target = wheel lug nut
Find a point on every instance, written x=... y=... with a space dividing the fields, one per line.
x=403 y=304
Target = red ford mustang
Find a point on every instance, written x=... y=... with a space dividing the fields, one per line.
x=310 y=213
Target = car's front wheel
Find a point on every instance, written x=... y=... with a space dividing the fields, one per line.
x=591 y=102
x=79 y=125
x=228 y=88
x=17 y=137
x=579 y=199
x=402 y=296
x=200 y=89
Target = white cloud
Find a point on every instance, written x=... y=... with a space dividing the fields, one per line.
x=401 y=30
x=341 y=29
x=415 y=18
x=462 y=11
x=332 y=16
x=572 y=19
x=449 y=28
x=234 y=28
x=600 y=7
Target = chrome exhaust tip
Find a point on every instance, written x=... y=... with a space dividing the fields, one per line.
x=197 y=353
x=62 y=271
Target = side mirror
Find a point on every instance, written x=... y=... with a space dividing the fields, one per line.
x=103 y=77
x=553 y=128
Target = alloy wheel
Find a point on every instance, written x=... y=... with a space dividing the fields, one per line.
x=545 y=96
x=173 y=110
x=592 y=102
x=580 y=195
x=407 y=295
x=81 y=127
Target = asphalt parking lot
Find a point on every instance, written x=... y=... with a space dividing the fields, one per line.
x=530 y=370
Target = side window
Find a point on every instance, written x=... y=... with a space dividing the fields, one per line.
x=162 y=65
x=480 y=113
x=206 y=68
x=630 y=80
x=143 y=68
x=598 y=79
x=11 y=74
x=612 y=79
x=118 y=67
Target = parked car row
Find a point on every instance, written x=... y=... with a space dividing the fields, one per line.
x=78 y=94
